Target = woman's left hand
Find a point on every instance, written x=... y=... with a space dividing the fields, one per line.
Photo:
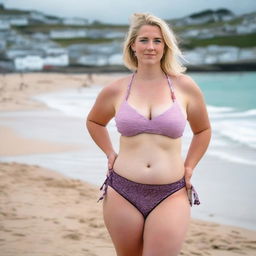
x=188 y=175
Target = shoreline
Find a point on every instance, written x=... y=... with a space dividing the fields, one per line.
x=110 y=69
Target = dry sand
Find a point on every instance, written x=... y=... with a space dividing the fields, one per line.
x=13 y=144
x=45 y=213
x=16 y=89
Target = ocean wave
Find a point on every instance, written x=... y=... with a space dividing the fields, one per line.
x=237 y=130
x=76 y=102
x=231 y=158
x=228 y=112
x=214 y=109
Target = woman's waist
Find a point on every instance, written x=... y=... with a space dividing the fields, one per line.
x=150 y=154
x=155 y=170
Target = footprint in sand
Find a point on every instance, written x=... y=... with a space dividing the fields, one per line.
x=73 y=236
x=251 y=244
x=18 y=234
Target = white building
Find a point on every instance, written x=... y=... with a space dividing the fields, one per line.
x=246 y=28
x=2 y=45
x=247 y=54
x=75 y=21
x=116 y=59
x=37 y=16
x=57 y=60
x=4 y=24
x=93 y=60
x=36 y=62
x=18 y=21
x=66 y=34
x=30 y=62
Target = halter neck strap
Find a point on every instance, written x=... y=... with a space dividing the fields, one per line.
x=129 y=87
x=171 y=88
x=169 y=83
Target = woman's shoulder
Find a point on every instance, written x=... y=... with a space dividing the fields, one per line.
x=187 y=84
x=117 y=86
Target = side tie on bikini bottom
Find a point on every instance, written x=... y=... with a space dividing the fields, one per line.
x=145 y=197
x=105 y=184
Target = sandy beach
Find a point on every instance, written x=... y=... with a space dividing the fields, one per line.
x=43 y=212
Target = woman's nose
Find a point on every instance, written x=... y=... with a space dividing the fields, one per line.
x=150 y=45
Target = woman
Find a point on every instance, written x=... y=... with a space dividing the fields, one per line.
x=146 y=204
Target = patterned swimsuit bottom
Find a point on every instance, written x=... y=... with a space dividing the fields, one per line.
x=145 y=197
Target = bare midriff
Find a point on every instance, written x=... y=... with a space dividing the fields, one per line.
x=150 y=159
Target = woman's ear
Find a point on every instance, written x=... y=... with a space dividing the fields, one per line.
x=133 y=46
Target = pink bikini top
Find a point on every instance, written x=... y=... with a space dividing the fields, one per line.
x=170 y=123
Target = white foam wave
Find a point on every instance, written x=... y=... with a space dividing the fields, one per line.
x=76 y=103
x=226 y=112
x=214 y=109
x=237 y=130
x=231 y=158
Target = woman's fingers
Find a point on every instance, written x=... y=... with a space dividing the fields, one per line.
x=188 y=175
x=111 y=160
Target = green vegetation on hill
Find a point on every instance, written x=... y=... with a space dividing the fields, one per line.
x=13 y=12
x=206 y=25
x=242 y=41
x=86 y=40
x=46 y=28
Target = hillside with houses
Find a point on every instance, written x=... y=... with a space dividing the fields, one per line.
x=32 y=41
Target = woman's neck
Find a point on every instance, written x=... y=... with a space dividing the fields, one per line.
x=149 y=72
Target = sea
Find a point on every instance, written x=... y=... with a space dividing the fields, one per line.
x=225 y=180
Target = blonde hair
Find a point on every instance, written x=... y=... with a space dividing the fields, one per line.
x=170 y=62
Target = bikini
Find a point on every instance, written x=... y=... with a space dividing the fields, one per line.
x=129 y=122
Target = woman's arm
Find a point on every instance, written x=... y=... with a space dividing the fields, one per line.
x=200 y=125
x=101 y=113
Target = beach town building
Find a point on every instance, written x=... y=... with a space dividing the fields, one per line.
x=37 y=62
x=205 y=17
x=37 y=58
x=67 y=34
x=38 y=17
x=13 y=20
x=214 y=54
x=29 y=62
x=4 y=24
x=75 y=21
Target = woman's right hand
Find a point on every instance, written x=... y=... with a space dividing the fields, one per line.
x=111 y=160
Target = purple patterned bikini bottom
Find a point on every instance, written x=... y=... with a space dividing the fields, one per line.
x=145 y=197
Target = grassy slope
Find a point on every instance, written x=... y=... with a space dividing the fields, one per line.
x=242 y=41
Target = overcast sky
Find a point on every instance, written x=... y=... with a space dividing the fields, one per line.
x=119 y=11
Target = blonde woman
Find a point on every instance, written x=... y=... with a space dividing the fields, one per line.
x=147 y=193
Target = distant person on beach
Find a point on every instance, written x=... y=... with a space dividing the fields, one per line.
x=148 y=192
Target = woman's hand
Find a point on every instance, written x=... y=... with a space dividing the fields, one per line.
x=188 y=175
x=111 y=159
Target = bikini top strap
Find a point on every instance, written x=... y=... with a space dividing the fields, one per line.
x=171 y=88
x=129 y=87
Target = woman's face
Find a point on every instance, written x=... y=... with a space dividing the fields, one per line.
x=149 y=45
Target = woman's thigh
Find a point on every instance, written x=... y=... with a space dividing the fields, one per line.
x=166 y=226
x=124 y=223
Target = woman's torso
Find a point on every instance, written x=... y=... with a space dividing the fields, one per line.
x=150 y=158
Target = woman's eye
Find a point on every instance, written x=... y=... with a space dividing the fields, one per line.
x=155 y=41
